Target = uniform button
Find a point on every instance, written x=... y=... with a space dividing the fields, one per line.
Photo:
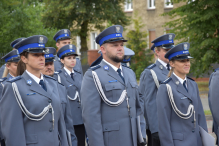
x=50 y=110
x=193 y=131
x=49 y=100
x=130 y=117
x=51 y=121
x=50 y=130
x=105 y=128
x=192 y=121
x=113 y=87
x=78 y=107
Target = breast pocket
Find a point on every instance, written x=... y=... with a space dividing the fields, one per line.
x=134 y=88
x=113 y=91
x=31 y=139
x=111 y=134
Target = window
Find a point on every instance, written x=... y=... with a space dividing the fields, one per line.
x=152 y=36
x=128 y=5
x=168 y=4
x=78 y=39
x=93 y=43
x=151 y=4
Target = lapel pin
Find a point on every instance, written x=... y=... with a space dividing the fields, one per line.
x=161 y=66
x=106 y=67
x=177 y=82
x=29 y=82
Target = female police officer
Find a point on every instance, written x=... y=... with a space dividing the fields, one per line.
x=180 y=111
x=30 y=107
x=71 y=79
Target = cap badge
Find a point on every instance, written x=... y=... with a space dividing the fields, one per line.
x=185 y=47
x=170 y=37
x=47 y=50
x=65 y=30
x=41 y=40
x=117 y=29
x=29 y=82
x=70 y=46
x=106 y=67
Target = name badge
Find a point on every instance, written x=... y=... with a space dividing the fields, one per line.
x=31 y=93
x=112 y=81
x=70 y=85
x=184 y=97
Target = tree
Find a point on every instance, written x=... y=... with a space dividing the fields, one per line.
x=22 y=18
x=198 y=22
x=137 y=42
x=82 y=16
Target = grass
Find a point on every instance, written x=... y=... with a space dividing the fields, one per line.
x=207 y=112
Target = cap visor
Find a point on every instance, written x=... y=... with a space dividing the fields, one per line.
x=182 y=57
x=49 y=60
x=36 y=51
x=64 y=38
x=116 y=40
x=168 y=47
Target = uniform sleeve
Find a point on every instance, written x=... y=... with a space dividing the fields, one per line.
x=201 y=115
x=11 y=118
x=149 y=90
x=214 y=92
x=69 y=123
x=91 y=110
x=164 y=116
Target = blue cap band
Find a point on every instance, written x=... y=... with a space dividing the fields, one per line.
x=163 y=43
x=177 y=53
x=48 y=55
x=6 y=59
x=66 y=51
x=127 y=59
x=35 y=45
x=62 y=35
x=115 y=35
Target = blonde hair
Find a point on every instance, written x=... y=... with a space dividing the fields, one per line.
x=171 y=70
x=156 y=48
x=6 y=71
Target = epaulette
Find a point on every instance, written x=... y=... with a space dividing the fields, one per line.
x=14 y=79
x=77 y=71
x=126 y=66
x=95 y=67
x=3 y=79
x=49 y=77
x=166 y=81
x=216 y=69
x=57 y=72
x=151 y=66
x=190 y=78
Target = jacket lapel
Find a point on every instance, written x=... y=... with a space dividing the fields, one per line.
x=180 y=87
x=126 y=78
x=49 y=87
x=35 y=87
x=111 y=72
x=67 y=76
x=162 y=68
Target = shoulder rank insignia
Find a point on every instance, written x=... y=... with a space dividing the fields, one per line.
x=190 y=78
x=3 y=79
x=95 y=67
x=151 y=66
x=57 y=72
x=49 y=77
x=126 y=66
x=15 y=79
x=166 y=81
x=77 y=71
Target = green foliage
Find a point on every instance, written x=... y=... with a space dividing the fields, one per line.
x=81 y=16
x=198 y=23
x=22 y=18
x=137 y=42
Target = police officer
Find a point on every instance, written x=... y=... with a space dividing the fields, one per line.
x=30 y=106
x=212 y=98
x=62 y=38
x=127 y=56
x=179 y=108
x=110 y=97
x=12 y=45
x=49 y=71
x=150 y=79
x=72 y=79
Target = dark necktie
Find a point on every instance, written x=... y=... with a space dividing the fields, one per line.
x=119 y=71
x=168 y=66
x=184 y=84
x=72 y=76
x=43 y=85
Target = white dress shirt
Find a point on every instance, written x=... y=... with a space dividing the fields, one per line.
x=36 y=79
x=181 y=80
x=68 y=72
x=114 y=68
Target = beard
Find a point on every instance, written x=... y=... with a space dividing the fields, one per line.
x=115 y=58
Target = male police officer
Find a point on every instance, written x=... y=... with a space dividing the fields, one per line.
x=49 y=71
x=109 y=95
x=12 y=45
x=62 y=38
x=149 y=83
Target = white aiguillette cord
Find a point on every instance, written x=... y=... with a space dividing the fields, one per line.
x=103 y=96
x=28 y=114
x=190 y=110
x=155 y=78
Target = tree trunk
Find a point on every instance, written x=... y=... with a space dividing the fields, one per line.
x=83 y=35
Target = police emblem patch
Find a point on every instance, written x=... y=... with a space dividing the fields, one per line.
x=170 y=37
x=117 y=29
x=41 y=40
x=185 y=47
x=106 y=67
x=29 y=82
x=161 y=66
x=47 y=50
